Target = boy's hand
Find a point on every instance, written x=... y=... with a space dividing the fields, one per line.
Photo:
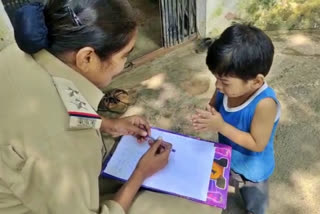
x=208 y=120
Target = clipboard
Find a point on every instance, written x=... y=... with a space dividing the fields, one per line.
x=219 y=179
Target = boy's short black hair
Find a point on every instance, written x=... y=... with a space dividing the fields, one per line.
x=241 y=51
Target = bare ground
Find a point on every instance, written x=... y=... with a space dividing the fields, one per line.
x=171 y=87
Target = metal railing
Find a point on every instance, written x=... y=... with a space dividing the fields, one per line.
x=178 y=21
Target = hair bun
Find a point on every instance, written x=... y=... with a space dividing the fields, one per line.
x=30 y=30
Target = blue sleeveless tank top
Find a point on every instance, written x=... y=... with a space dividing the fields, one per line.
x=254 y=166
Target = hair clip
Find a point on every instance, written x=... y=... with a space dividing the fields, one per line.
x=75 y=18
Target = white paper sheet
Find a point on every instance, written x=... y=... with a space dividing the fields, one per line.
x=187 y=173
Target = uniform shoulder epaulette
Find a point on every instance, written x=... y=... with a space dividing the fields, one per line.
x=81 y=114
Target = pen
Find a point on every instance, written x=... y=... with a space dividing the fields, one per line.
x=149 y=137
x=153 y=139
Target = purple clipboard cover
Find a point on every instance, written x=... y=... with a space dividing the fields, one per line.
x=218 y=188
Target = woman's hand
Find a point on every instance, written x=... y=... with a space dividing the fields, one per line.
x=155 y=159
x=133 y=125
x=143 y=125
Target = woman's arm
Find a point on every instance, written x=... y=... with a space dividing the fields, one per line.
x=149 y=164
x=19 y=190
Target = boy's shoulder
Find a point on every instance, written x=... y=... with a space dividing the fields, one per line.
x=264 y=100
x=266 y=105
x=266 y=97
x=269 y=90
x=265 y=92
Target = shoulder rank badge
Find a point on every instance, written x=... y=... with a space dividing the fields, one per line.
x=81 y=114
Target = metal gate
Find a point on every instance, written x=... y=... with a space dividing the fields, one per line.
x=178 y=19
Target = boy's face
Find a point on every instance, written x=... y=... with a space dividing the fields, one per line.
x=234 y=87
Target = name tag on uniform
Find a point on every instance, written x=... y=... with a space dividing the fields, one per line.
x=81 y=114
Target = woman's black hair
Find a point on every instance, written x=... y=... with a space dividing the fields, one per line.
x=242 y=51
x=105 y=25
x=69 y=25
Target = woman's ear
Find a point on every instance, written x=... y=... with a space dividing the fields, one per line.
x=87 y=60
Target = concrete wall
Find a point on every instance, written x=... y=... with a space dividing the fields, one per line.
x=266 y=14
x=202 y=17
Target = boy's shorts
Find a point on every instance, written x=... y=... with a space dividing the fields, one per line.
x=254 y=195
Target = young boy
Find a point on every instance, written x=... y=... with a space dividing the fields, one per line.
x=244 y=110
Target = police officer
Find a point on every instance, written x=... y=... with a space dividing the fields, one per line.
x=50 y=143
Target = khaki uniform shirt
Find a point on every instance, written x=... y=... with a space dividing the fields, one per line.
x=44 y=167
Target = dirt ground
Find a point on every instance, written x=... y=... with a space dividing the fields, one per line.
x=149 y=34
x=171 y=87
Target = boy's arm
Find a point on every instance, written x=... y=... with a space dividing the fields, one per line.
x=260 y=131
x=261 y=127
